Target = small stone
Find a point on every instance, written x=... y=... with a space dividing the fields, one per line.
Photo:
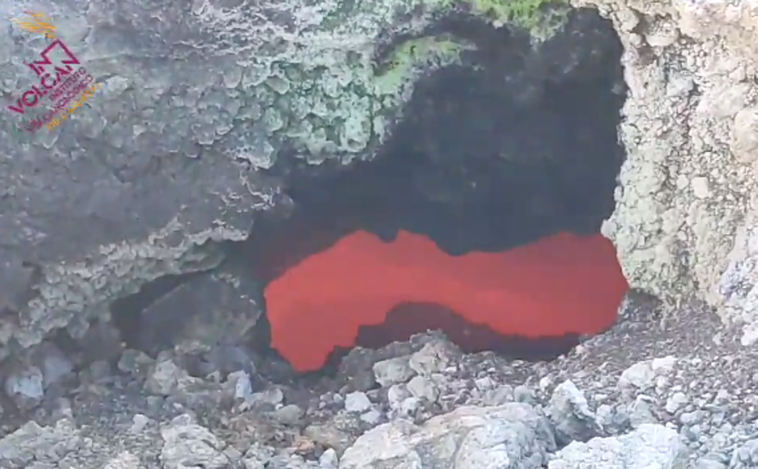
x=164 y=378
x=243 y=386
x=26 y=387
x=744 y=137
x=641 y=412
x=62 y=409
x=498 y=396
x=604 y=414
x=100 y=370
x=396 y=394
x=273 y=396
x=139 y=422
x=393 y=371
x=187 y=444
x=645 y=375
x=409 y=406
x=545 y=383
x=620 y=418
x=691 y=418
x=639 y=375
x=484 y=384
x=328 y=459
x=433 y=357
x=361 y=381
x=124 y=460
x=55 y=365
x=660 y=383
x=571 y=415
x=423 y=389
x=524 y=394
x=232 y=453
x=676 y=402
x=289 y=414
x=135 y=362
x=357 y=402
x=710 y=464
x=229 y=359
x=155 y=404
x=700 y=187
x=327 y=435
x=258 y=456
x=663 y=365
x=372 y=417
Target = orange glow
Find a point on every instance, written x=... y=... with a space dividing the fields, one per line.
x=555 y=286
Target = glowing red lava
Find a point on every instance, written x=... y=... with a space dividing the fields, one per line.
x=555 y=286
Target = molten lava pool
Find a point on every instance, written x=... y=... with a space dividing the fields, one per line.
x=558 y=285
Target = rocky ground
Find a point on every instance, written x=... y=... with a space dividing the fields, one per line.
x=650 y=393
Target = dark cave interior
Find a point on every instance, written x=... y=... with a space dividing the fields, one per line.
x=515 y=144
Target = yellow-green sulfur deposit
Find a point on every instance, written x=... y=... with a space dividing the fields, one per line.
x=536 y=16
x=416 y=55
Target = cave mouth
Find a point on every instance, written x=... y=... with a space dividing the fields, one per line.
x=513 y=148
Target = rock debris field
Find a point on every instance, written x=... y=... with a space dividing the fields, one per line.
x=639 y=396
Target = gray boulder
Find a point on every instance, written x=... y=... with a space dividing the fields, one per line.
x=44 y=445
x=650 y=445
x=510 y=436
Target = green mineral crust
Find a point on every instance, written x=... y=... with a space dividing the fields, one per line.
x=332 y=95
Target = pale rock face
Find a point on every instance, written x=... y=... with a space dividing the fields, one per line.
x=467 y=438
x=650 y=445
x=686 y=215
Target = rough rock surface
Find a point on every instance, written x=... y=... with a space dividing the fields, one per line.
x=511 y=435
x=685 y=222
x=649 y=445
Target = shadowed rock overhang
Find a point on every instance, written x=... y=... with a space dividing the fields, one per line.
x=515 y=142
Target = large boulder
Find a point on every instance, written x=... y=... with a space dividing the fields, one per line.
x=513 y=435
